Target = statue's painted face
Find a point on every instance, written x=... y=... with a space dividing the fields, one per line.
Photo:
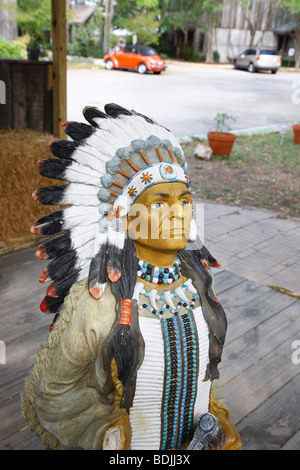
x=160 y=218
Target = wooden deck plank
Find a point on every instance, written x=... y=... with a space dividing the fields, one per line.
x=274 y=423
x=245 y=310
x=260 y=381
x=246 y=350
x=24 y=439
x=293 y=443
x=12 y=378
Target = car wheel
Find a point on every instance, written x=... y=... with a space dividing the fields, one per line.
x=109 y=65
x=142 y=68
x=156 y=73
x=274 y=71
x=251 y=68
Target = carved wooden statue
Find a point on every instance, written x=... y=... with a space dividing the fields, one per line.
x=138 y=332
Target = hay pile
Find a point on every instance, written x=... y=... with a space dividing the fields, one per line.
x=20 y=150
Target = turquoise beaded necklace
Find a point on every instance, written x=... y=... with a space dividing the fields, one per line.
x=158 y=275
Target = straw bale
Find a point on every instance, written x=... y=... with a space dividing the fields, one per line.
x=20 y=150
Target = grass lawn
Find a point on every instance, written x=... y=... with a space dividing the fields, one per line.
x=260 y=172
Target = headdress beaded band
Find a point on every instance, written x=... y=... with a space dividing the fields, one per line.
x=158 y=275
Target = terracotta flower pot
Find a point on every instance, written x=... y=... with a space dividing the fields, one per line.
x=221 y=143
x=296 y=129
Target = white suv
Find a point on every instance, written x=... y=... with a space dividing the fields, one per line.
x=258 y=59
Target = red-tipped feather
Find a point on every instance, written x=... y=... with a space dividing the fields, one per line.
x=40 y=252
x=97 y=293
x=51 y=291
x=44 y=306
x=43 y=276
x=40 y=164
x=34 y=230
x=216 y=265
x=113 y=274
x=35 y=195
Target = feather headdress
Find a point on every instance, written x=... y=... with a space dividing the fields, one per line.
x=106 y=165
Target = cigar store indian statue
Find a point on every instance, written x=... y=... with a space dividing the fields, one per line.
x=131 y=359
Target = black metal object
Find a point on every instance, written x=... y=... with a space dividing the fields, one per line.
x=208 y=429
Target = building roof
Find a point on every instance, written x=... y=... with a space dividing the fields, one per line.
x=81 y=13
x=286 y=28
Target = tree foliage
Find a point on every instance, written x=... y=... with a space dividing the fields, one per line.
x=145 y=25
x=83 y=43
x=34 y=17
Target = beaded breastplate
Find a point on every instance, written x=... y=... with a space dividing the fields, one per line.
x=170 y=392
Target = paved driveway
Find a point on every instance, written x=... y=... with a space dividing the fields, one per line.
x=186 y=98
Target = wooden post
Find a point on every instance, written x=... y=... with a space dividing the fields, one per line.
x=59 y=46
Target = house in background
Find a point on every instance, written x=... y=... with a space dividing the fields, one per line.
x=80 y=14
x=286 y=34
x=262 y=24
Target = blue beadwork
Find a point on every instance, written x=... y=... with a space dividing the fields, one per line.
x=180 y=380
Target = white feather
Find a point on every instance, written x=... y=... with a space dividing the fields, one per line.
x=79 y=215
x=77 y=173
x=80 y=195
x=116 y=128
x=81 y=235
x=100 y=239
x=113 y=135
x=91 y=157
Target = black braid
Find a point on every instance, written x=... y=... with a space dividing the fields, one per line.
x=125 y=342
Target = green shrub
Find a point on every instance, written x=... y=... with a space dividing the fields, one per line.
x=9 y=50
x=189 y=53
x=216 y=56
x=83 y=43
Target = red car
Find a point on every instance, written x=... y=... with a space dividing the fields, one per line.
x=140 y=58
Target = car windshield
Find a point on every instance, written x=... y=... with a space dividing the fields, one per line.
x=145 y=50
x=268 y=52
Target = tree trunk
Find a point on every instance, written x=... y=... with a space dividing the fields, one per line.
x=297 y=49
x=109 y=12
x=209 y=43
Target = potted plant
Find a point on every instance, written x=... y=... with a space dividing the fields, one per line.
x=221 y=141
x=296 y=130
x=33 y=48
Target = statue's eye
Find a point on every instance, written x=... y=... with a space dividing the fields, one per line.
x=157 y=205
x=184 y=203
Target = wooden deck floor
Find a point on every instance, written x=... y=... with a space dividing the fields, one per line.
x=259 y=380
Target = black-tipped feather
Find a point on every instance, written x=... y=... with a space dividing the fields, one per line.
x=54 y=168
x=50 y=224
x=115 y=110
x=61 y=287
x=90 y=113
x=63 y=148
x=52 y=195
x=57 y=246
x=98 y=269
x=78 y=131
x=61 y=266
x=51 y=305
